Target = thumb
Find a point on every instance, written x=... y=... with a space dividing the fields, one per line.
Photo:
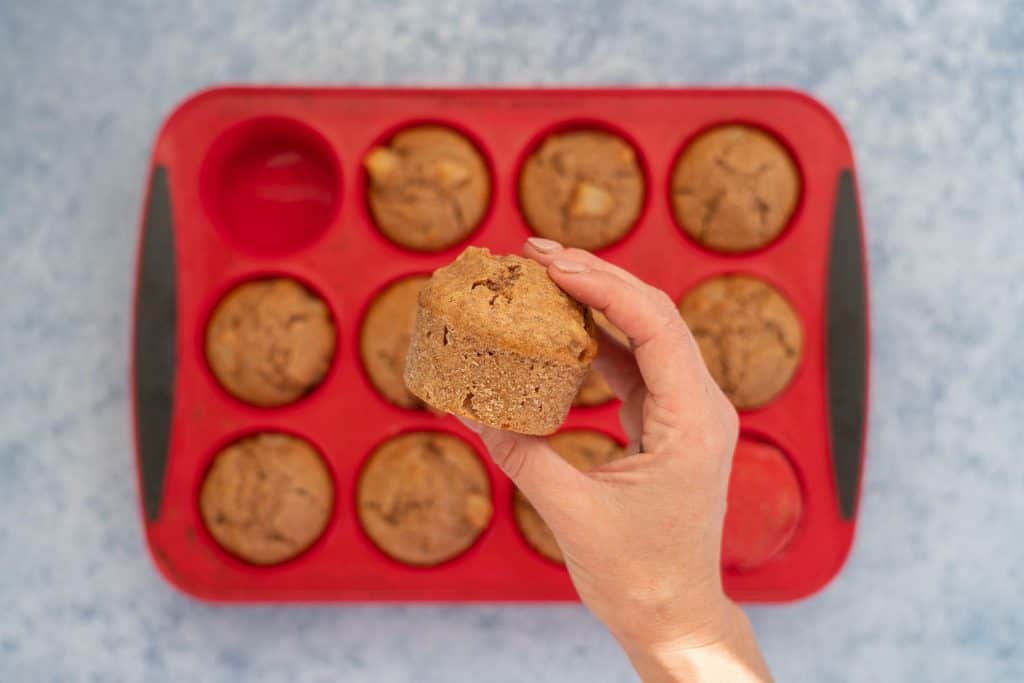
x=552 y=485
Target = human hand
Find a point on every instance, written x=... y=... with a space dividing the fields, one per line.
x=641 y=536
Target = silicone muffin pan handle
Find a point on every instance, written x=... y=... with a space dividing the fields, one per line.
x=847 y=343
x=156 y=327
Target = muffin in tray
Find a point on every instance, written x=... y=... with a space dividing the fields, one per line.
x=424 y=497
x=498 y=342
x=384 y=339
x=735 y=188
x=749 y=335
x=582 y=188
x=269 y=342
x=584 y=450
x=429 y=187
x=595 y=390
x=267 y=498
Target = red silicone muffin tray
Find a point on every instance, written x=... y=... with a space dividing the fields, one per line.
x=215 y=216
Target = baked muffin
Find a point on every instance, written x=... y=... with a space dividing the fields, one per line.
x=498 y=342
x=749 y=335
x=583 y=188
x=764 y=506
x=267 y=498
x=595 y=390
x=269 y=342
x=735 y=188
x=583 y=449
x=424 y=497
x=429 y=187
x=384 y=339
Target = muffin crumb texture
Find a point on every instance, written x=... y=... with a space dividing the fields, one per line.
x=429 y=187
x=583 y=449
x=269 y=342
x=735 y=188
x=267 y=498
x=749 y=335
x=424 y=497
x=582 y=188
x=498 y=342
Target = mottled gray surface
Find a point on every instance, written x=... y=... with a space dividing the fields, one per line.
x=933 y=97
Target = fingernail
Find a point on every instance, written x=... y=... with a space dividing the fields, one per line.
x=569 y=266
x=544 y=246
x=471 y=425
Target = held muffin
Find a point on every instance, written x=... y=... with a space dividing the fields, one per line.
x=583 y=188
x=270 y=342
x=498 y=342
x=735 y=188
x=764 y=506
x=267 y=498
x=424 y=497
x=595 y=390
x=749 y=335
x=384 y=339
x=583 y=449
x=429 y=187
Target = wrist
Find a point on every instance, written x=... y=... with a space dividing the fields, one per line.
x=724 y=650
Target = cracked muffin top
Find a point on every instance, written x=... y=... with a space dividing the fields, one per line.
x=270 y=342
x=384 y=339
x=510 y=303
x=267 y=498
x=749 y=335
x=582 y=188
x=429 y=187
x=424 y=497
x=735 y=188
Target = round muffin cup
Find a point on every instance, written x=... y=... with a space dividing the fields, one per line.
x=271 y=185
x=765 y=505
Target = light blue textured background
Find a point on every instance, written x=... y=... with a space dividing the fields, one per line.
x=933 y=96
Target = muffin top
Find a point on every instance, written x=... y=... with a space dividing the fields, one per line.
x=511 y=303
x=424 y=497
x=384 y=339
x=267 y=497
x=429 y=187
x=735 y=188
x=749 y=335
x=269 y=342
x=583 y=188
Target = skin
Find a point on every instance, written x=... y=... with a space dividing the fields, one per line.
x=642 y=535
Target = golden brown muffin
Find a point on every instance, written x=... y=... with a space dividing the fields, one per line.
x=498 y=342
x=269 y=342
x=735 y=188
x=424 y=497
x=584 y=188
x=595 y=390
x=583 y=449
x=384 y=339
x=749 y=335
x=267 y=498
x=429 y=187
